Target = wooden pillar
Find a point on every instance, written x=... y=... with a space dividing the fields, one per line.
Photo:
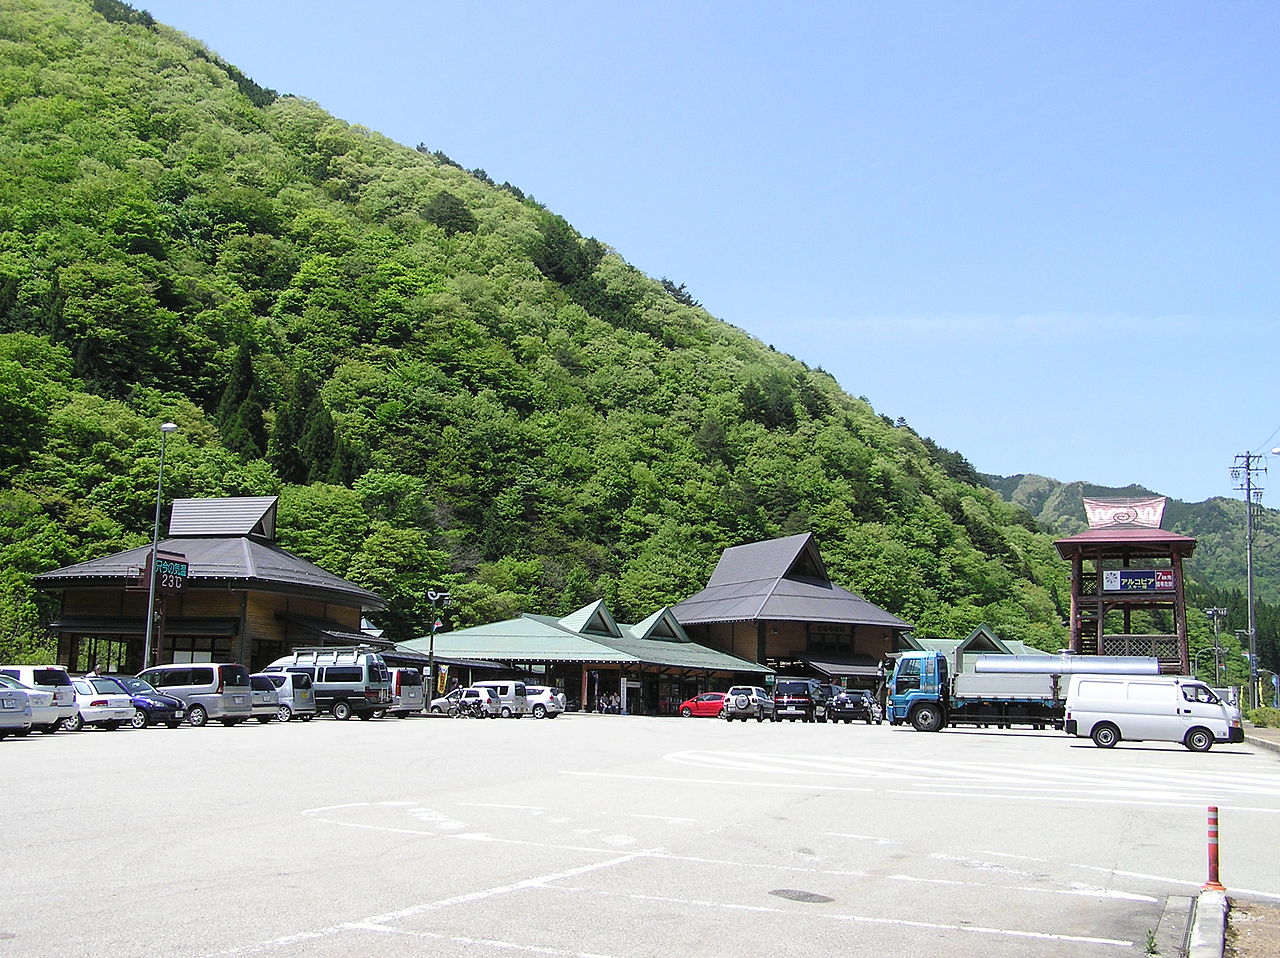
x=1077 y=575
x=1180 y=612
x=760 y=641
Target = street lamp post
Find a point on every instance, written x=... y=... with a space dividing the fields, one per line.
x=443 y=599
x=1217 y=616
x=165 y=429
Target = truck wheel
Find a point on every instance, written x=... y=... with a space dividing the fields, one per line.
x=341 y=711
x=1198 y=740
x=1105 y=735
x=927 y=718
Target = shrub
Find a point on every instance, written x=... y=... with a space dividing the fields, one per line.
x=1265 y=717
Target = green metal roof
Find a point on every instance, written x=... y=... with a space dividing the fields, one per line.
x=526 y=639
x=658 y=640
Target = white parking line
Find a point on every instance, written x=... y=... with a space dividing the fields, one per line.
x=860 y=919
x=419 y=909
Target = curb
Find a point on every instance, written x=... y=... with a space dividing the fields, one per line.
x=1262 y=743
x=1207 y=933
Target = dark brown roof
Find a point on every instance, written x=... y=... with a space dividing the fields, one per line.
x=237 y=562
x=1126 y=540
x=780 y=580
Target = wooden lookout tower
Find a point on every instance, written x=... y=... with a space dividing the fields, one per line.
x=1122 y=565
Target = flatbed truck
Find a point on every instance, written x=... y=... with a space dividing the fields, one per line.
x=1004 y=690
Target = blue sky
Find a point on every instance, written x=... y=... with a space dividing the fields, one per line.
x=1047 y=234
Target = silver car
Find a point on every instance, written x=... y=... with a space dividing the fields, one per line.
x=544 y=701
x=15 y=712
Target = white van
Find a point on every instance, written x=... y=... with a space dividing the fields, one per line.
x=407 y=694
x=512 y=701
x=1157 y=708
x=47 y=678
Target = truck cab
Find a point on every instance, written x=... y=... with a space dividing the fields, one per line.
x=918 y=690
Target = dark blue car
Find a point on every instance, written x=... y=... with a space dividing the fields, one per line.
x=149 y=706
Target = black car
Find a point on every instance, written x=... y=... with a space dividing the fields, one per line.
x=850 y=704
x=797 y=698
x=149 y=706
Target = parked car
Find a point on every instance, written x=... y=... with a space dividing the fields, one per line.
x=706 y=705
x=294 y=695
x=747 y=701
x=346 y=680
x=40 y=704
x=850 y=704
x=150 y=705
x=797 y=698
x=486 y=697
x=47 y=678
x=211 y=690
x=15 y=711
x=100 y=702
x=512 y=697
x=265 y=701
x=408 y=695
x=544 y=701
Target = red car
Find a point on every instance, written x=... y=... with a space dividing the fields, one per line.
x=706 y=705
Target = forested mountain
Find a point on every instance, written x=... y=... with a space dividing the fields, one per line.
x=1216 y=573
x=1218 y=524
x=444 y=382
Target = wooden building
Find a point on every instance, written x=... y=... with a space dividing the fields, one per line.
x=229 y=593
x=773 y=602
x=1122 y=565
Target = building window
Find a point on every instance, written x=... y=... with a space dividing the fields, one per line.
x=830 y=637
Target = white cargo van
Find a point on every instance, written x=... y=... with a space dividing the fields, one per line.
x=1158 y=708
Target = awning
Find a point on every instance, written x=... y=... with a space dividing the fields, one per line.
x=861 y=666
x=123 y=625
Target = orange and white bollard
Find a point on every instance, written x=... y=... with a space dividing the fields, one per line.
x=1213 y=884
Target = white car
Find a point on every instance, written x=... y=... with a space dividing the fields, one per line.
x=100 y=701
x=544 y=701
x=745 y=702
x=486 y=698
x=46 y=678
x=15 y=712
x=43 y=710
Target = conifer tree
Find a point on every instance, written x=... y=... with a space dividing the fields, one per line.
x=283 y=450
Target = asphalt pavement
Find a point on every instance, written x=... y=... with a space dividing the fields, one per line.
x=615 y=836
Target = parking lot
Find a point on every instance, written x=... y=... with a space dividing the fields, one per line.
x=613 y=836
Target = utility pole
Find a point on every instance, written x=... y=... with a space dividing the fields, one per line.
x=1242 y=472
x=1217 y=616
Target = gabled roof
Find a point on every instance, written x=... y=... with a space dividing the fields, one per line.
x=238 y=562
x=658 y=640
x=780 y=580
x=594 y=619
x=243 y=516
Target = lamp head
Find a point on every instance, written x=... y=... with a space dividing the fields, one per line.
x=168 y=427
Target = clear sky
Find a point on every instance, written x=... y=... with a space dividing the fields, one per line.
x=1047 y=234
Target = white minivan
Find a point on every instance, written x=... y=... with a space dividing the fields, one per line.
x=512 y=701
x=1156 y=708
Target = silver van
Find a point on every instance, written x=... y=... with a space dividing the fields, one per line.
x=212 y=690
x=407 y=694
x=15 y=711
x=347 y=681
x=512 y=701
x=294 y=695
x=47 y=678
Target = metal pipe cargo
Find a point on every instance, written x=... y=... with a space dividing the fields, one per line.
x=1067 y=664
